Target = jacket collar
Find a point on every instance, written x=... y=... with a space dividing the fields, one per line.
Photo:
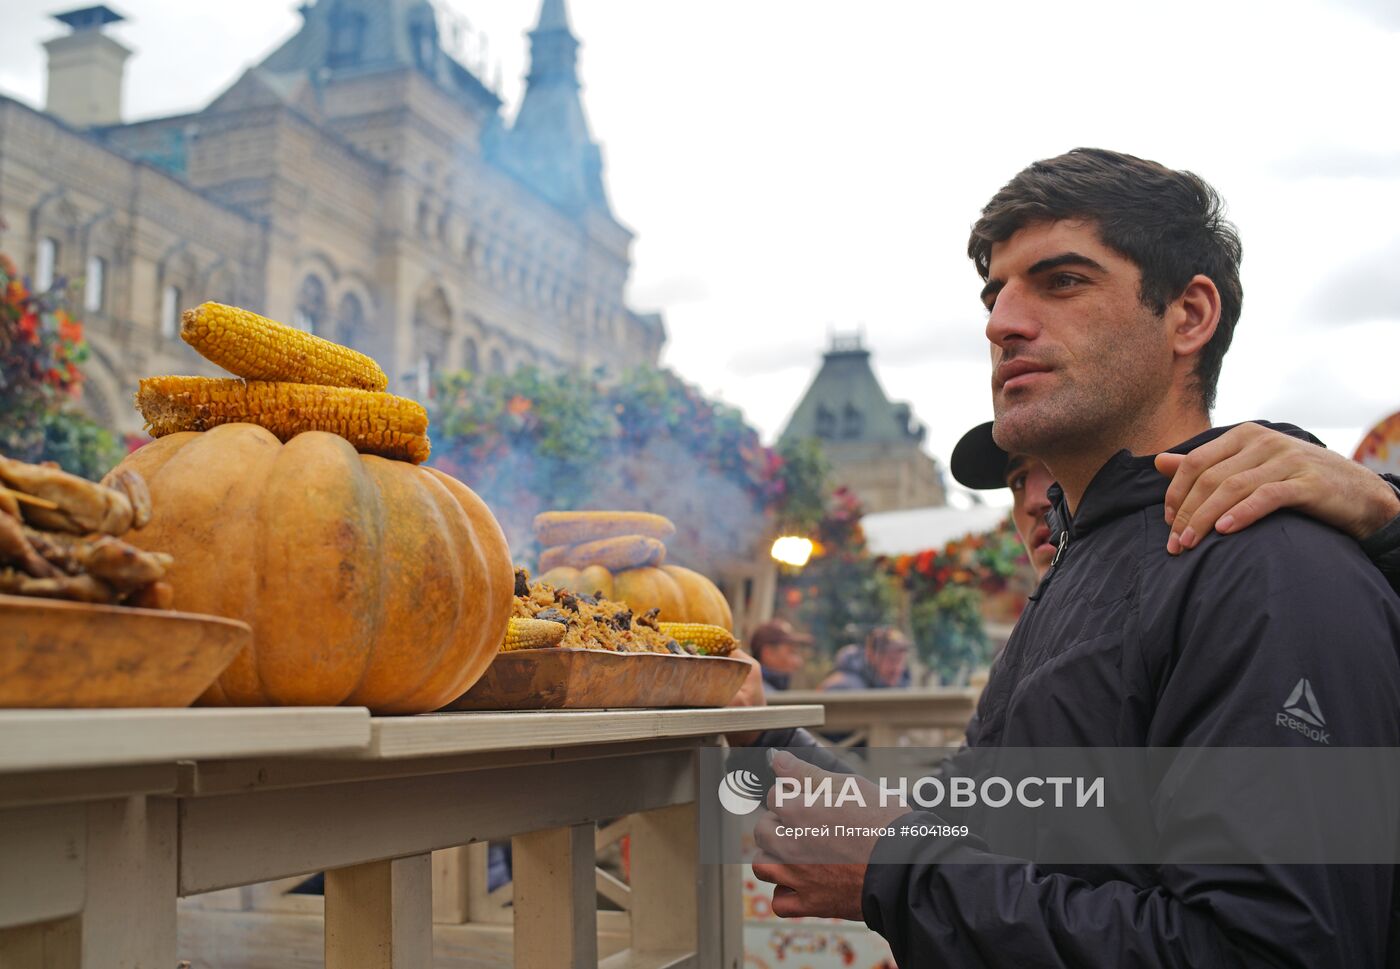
x=1128 y=483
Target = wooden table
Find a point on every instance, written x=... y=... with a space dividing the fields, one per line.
x=139 y=807
x=882 y=718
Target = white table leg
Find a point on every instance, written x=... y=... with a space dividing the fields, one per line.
x=128 y=917
x=379 y=915
x=556 y=904
x=665 y=881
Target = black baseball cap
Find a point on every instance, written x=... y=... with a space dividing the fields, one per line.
x=978 y=462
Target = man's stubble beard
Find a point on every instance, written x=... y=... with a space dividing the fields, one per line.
x=1097 y=409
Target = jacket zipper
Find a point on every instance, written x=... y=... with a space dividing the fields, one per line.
x=1060 y=547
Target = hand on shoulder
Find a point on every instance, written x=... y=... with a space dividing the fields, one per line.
x=1251 y=471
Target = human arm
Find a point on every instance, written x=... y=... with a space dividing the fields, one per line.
x=1251 y=471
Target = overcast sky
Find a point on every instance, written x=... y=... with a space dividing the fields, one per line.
x=797 y=167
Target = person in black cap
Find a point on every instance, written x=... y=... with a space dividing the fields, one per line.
x=1226 y=485
x=781 y=650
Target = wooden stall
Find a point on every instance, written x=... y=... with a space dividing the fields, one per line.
x=107 y=817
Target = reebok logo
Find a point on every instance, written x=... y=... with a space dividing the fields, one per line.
x=1301 y=713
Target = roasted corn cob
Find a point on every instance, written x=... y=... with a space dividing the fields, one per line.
x=707 y=640
x=256 y=348
x=575 y=527
x=374 y=423
x=532 y=634
x=613 y=554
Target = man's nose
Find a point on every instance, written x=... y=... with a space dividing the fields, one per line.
x=1038 y=496
x=1011 y=317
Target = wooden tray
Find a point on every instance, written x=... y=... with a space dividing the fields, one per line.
x=586 y=679
x=71 y=654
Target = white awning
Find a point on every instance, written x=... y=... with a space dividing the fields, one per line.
x=915 y=529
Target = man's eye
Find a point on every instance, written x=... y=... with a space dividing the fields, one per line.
x=1017 y=484
x=1063 y=281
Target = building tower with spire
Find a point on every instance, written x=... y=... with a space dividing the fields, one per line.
x=549 y=145
x=362 y=182
x=875 y=446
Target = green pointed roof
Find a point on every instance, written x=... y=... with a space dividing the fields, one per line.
x=550 y=146
x=553 y=16
x=846 y=404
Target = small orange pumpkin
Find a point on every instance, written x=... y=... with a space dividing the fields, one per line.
x=367 y=581
x=681 y=594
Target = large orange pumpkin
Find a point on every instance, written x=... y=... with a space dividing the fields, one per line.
x=367 y=581
x=681 y=594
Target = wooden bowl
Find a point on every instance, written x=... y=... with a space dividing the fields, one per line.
x=586 y=679
x=71 y=654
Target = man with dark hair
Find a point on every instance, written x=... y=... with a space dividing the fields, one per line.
x=1112 y=290
x=880 y=663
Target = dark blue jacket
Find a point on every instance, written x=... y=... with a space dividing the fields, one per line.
x=1124 y=645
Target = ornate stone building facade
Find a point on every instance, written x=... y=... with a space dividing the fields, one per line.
x=875 y=446
x=360 y=183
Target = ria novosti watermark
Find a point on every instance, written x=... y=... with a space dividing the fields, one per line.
x=1308 y=803
x=836 y=791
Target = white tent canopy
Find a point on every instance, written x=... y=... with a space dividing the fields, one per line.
x=915 y=529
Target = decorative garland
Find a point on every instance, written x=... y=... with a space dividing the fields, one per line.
x=41 y=352
x=531 y=441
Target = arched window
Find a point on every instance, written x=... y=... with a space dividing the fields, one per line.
x=347 y=38
x=423 y=37
x=170 y=298
x=471 y=356
x=826 y=422
x=45 y=263
x=432 y=326
x=852 y=422
x=95 y=285
x=498 y=362
x=178 y=280
x=350 y=322
x=311 y=305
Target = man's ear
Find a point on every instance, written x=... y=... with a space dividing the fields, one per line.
x=1193 y=316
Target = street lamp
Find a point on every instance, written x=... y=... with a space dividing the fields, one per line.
x=792 y=550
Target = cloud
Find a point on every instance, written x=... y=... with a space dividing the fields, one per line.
x=961 y=342
x=964 y=340
x=759 y=361
x=1384 y=12
x=1340 y=163
x=1367 y=289
x=1314 y=397
x=670 y=291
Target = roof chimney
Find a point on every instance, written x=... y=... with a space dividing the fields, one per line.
x=86 y=69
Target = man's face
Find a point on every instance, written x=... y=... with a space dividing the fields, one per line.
x=1076 y=357
x=888 y=664
x=785 y=658
x=1029 y=480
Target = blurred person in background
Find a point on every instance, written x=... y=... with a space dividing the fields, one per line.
x=781 y=651
x=882 y=663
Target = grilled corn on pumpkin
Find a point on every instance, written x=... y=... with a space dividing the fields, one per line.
x=708 y=640
x=375 y=423
x=613 y=554
x=532 y=634
x=256 y=348
x=576 y=527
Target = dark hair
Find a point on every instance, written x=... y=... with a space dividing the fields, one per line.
x=882 y=638
x=1171 y=224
